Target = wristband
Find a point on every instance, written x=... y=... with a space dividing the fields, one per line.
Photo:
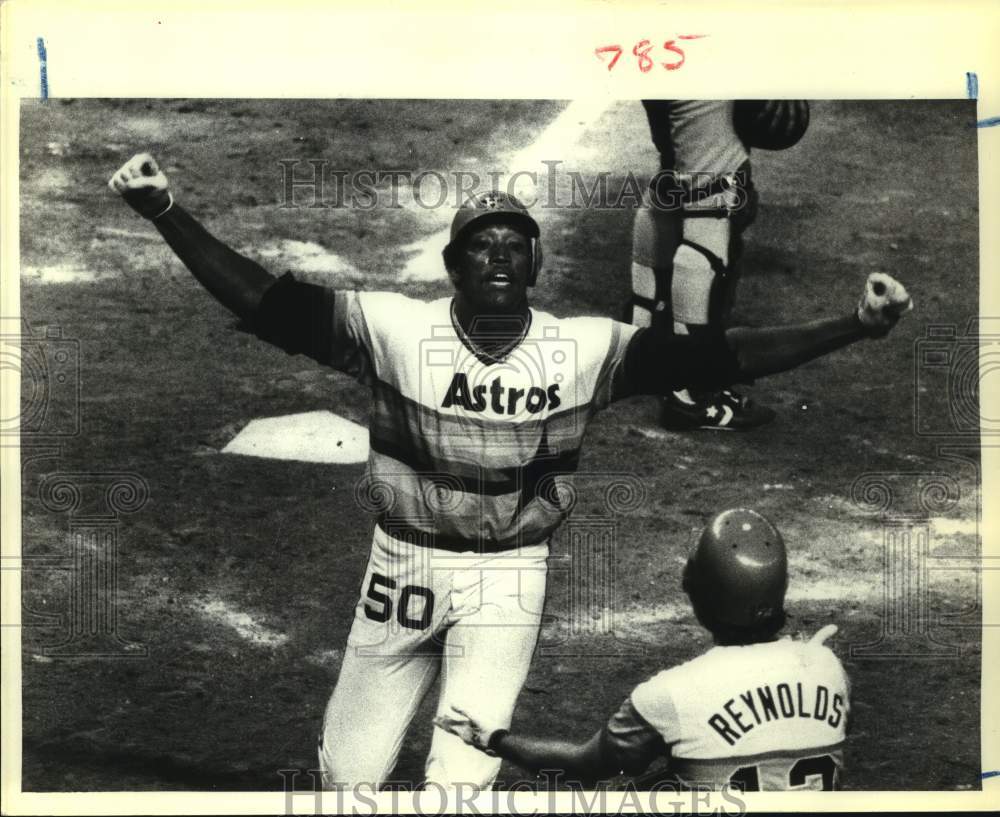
x=495 y=738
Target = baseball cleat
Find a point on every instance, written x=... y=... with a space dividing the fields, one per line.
x=725 y=410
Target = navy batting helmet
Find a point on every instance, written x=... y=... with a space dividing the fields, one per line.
x=495 y=206
x=737 y=574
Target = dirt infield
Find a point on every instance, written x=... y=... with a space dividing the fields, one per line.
x=237 y=576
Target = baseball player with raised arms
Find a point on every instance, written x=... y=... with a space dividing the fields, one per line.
x=480 y=404
x=756 y=711
x=687 y=240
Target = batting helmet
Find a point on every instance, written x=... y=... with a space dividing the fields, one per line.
x=495 y=206
x=737 y=574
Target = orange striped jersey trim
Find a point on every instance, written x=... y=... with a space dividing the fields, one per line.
x=467 y=451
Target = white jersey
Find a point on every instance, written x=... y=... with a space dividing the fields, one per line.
x=768 y=716
x=467 y=451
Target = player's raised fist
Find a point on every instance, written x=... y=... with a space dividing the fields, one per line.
x=883 y=302
x=143 y=186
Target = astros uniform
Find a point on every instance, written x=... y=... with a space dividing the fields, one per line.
x=765 y=717
x=468 y=453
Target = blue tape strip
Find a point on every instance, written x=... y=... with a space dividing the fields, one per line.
x=971 y=85
x=43 y=68
x=993 y=121
x=984 y=775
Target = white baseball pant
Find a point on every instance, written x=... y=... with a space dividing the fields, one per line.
x=474 y=618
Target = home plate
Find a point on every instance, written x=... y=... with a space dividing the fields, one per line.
x=315 y=436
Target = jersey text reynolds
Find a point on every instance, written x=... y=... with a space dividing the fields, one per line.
x=767 y=704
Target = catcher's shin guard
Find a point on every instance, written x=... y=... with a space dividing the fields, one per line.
x=686 y=246
x=656 y=234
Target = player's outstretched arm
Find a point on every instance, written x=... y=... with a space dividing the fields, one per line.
x=234 y=280
x=584 y=763
x=657 y=361
x=776 y=349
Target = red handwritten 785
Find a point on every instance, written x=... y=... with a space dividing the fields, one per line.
x=641 y=51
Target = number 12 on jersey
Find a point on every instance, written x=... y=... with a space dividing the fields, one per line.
x=809 y=773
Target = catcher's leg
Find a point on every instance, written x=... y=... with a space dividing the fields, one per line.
x=705 y=271
x=390 y=661
x=700 y=154
x=706 y=264
x=656 y=235
x=686 y=243
x=497 y=614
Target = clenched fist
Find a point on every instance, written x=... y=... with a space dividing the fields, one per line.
x=883 y=302
x=143 y=186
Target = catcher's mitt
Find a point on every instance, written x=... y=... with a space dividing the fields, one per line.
x=770 y=124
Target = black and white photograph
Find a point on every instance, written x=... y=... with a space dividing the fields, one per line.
x=470 y=447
